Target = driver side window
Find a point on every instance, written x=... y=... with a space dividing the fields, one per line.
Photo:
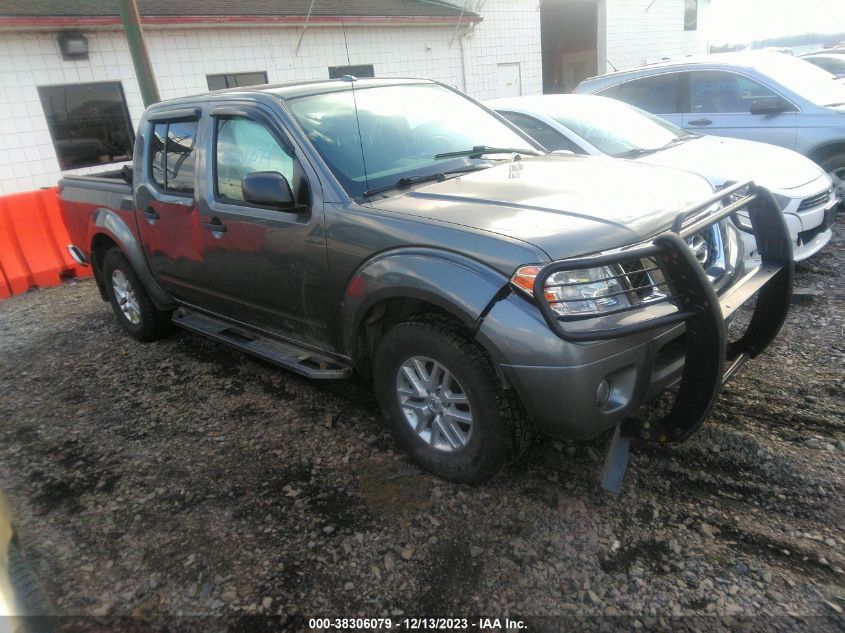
x=243 y=147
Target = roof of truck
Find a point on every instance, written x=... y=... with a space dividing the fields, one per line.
x=292 y=89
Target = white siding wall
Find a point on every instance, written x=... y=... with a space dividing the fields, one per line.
x=182 y=58
x=509 y=33
x=637 y=36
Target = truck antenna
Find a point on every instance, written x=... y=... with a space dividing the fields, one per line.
x=351 y=79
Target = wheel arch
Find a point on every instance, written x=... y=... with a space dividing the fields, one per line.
x=107 y=229
x=407 y=281
x=826 y=150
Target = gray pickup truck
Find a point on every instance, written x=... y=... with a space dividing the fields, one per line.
x=399 y=229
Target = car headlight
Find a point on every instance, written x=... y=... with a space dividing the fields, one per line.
x=576 y=292
x=783 y=201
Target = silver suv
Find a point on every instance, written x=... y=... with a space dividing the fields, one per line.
x=759 y=96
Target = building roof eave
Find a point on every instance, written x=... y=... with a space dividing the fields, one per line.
x=28 y=23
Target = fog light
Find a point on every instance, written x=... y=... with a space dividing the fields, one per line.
x=603 y=392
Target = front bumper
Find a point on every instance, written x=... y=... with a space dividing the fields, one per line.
x=643 y=352
x=809 y=228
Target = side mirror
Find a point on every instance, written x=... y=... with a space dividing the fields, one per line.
x=269 y=189
x=768 y=105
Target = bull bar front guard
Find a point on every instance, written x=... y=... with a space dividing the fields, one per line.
x=698 y=306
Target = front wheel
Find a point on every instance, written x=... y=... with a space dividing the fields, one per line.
x=444 y=402
x=133 y=307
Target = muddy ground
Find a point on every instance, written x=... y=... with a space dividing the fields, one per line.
x=183 y=478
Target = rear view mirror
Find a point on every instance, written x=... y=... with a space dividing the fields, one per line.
x=768 y=105
x=269 y=189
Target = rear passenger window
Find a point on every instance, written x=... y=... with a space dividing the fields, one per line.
x=244 y=147
x=657 y=94
x=173 y=155
x=157 y=153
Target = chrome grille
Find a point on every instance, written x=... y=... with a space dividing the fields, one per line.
x=813 y=201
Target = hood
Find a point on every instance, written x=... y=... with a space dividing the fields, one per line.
x=720 y=159
x=565 y=205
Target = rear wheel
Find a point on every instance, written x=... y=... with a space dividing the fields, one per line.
x=133 y=307
x=444 y=402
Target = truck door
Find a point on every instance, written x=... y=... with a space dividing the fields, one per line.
x=166 y=206
x=262 y=266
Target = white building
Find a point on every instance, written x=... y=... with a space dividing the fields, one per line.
x=74 y=110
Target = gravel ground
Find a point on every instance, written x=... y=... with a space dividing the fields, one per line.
x=183 y=478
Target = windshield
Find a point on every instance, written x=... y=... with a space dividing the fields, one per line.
x=804 y=79
x=402 y=128
x=613 y=127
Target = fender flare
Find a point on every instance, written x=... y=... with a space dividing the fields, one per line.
x=105 y=221
x=459 y=285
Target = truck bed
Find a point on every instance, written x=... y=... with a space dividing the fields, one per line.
x=80 y=196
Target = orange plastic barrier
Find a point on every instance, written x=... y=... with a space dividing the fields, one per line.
x=33 y=243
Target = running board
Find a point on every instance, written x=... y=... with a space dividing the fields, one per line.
x=297 y=359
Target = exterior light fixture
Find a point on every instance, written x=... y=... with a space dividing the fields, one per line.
x=73 y=44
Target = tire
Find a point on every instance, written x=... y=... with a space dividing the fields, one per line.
x=30 y=598
x=444 y=443
x=835 y=166
x=133 y=307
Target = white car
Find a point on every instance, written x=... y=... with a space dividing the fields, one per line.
x=589 y=124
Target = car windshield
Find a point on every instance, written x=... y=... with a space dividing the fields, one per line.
x=613 y=127
x=399 y=131
x=804 y=79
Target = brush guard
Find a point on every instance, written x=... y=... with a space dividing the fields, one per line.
x=697 y=305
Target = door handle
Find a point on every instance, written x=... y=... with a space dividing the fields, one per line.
x=701 y=122
x=151 y=213
x=215 y=226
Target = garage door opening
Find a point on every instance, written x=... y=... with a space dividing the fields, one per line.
x=569 y=32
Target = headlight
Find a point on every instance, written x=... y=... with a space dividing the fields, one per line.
x=576 y=292
x=783 y=201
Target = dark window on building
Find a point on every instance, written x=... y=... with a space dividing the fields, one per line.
x=657 y=94
x=235 y=80
x=173 y=155
x=361 y=70
x=89 y=123
x=541 y=132
x=691 y=15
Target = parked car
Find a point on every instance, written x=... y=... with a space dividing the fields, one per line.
x=831 y=61
x=588 y=124
x=400 y=229
x=768 y=97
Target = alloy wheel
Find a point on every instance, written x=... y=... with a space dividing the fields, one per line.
x=434 y=404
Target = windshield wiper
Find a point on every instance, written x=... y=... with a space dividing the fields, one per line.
x=407 y=181
x=480 y=150
x=637 y=151
x=642 y=151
